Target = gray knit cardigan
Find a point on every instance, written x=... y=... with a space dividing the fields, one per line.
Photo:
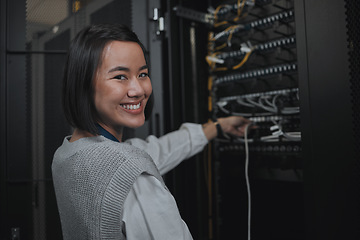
x=92 y=177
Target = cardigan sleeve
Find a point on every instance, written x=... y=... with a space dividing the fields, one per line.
x=171 y=149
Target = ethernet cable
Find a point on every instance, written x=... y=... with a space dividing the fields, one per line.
x=213 y=58
x=291 y=136
x=247 y=178
x=222 y=104
x=249 y=102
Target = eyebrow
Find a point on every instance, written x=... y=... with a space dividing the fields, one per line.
x=120 y=68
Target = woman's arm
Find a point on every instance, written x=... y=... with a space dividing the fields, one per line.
x=171 y=149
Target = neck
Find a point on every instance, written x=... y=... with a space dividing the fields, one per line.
x=110 y=132
x=78 y=133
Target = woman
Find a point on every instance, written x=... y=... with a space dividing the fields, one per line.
x=107 y=189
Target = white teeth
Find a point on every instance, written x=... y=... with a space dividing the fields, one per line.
x=131 y=107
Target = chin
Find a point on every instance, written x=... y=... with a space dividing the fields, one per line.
x=136 y=124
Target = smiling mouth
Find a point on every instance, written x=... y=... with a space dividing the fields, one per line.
x=130 y=106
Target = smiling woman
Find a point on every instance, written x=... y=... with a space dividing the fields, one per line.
x=106 y=189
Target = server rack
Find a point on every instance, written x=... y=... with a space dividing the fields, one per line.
x=253 y=73
x=300 y=189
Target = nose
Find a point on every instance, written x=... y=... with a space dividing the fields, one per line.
x=135 y=88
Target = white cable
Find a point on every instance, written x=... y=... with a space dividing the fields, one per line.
x=286 y=110
x=215 y=59
x=274 y=99
x=258 y=104
x=247 y=179
x=270 y=104
x=241 y=102
x=293 y=136
x=267 y=108
x=221 y=107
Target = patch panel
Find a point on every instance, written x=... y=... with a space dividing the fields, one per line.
x=256 y=73
x=286 y=16
x=262 y=47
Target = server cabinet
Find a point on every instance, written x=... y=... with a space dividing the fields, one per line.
x=300 y=55
x=329 y=79
x=253 y=65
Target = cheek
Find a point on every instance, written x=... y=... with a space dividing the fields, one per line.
x=99 y=96
x=107 y=95
x=148 y=88
x=98 y=102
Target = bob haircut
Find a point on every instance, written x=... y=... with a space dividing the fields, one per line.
x=83 y=59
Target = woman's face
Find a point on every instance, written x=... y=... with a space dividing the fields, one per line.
x=122 y=87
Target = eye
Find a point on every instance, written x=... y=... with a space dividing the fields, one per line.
x=120 y=77
x=143 y=75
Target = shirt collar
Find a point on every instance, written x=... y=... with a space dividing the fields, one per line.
x=105 y=133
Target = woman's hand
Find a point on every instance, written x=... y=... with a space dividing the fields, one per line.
x=233 y=125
